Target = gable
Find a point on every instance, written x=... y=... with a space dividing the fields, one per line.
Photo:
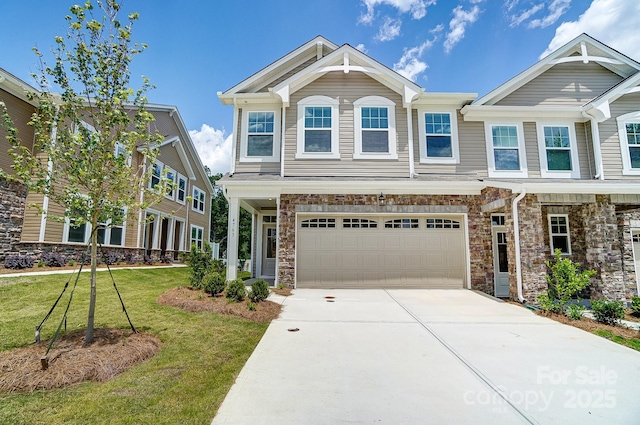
x=565 y=84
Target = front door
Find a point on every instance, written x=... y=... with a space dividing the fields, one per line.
x=269 y=243
x=500 y=263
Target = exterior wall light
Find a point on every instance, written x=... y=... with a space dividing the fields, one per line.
x=382 y=200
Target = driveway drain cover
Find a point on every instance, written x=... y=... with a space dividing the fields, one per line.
x=329 y=297
x=293 y=329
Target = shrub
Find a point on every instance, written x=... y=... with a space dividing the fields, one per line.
x=635 y=306
x=574 y=311
x=565 y=282
x=130 y=258
x=53 y=259
x=18 y=261
x=608 y=311
x=213 y=283
x=251 y=306
x=166 y=259
x=147 y=260
x=111 y=257
x=236 y=290
x=259 y=291
x=200 y=263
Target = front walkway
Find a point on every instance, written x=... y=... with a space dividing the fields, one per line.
x=429 y=356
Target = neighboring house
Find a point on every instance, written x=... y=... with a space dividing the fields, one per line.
x=359 y=178
x=165 y=229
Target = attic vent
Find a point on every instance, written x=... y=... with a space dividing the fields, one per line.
x=319 y=50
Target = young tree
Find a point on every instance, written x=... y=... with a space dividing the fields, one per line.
x=86 y=136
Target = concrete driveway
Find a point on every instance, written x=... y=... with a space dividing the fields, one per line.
x=429 y=357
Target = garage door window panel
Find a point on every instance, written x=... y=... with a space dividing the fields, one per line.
x=319 y=223
x=359 y=223
x=442 y=223
x=402 y=223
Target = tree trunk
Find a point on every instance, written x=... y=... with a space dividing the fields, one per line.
x=92 y=298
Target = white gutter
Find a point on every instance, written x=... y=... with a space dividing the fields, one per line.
x=597 y=152
x=516 y=241
x=412 y=166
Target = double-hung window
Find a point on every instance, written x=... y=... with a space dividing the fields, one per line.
x=72 y=230
x=318 y=128
x=505 y=150
x=198 y=200
x=558 y=150
x=113 y=231
x=121 y=151
x=260 y=138
x=374 y=128
x=438 y=137
x=559 y=233
x=171 y=183
x=629 y=135
x=181 y=189
x=156 y=174
x=197 y=236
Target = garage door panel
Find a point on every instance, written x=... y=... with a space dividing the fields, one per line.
x=380 y=257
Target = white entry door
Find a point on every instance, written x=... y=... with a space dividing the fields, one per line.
x=269 y=243
x=500 y=263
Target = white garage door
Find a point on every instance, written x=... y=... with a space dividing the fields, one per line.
x=380 y=252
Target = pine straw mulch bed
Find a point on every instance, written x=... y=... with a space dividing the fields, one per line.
x=591 y=325
x=285 y=292
x=197 y=300
x=71 y=361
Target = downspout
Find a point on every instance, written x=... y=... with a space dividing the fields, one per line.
x=516 y=241
x=597 y=153
x=412 y=170
x=232 y=170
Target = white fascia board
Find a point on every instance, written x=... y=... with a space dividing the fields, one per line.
x=524 y=113
x=310 y=45
x=583 y=187
x=246 y=98
x=454 y=100
x=546 y=63
x=630 y=85
x=15 y=86
x=268 y=189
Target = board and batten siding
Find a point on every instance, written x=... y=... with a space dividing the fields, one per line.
x=253 y=167
x=346 y=88
x=566 y=84
x=609 y=138
x=471 y=142
x=20 y=112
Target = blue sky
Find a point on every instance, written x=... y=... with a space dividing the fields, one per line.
x=200 y=47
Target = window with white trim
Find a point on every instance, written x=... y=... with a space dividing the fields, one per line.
x=197 y=236
x=438 y=137
x=558 y=150
x=318 y=128
x=260 y=141
x=113 y=231
x=121 y=151
x=629 y=135
x=181 y=189
x=198 y=200
x=171 y=183
x=559 y=233
x=156 y=174
x=506 y=155
x=75 y=233
x=374 y=128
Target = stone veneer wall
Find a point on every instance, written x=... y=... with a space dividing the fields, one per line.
x=76 y=251
x=628 y=220
x=481 y=258
x=12 y=205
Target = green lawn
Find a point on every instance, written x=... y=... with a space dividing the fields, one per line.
x=629 y=342
x=185 y=383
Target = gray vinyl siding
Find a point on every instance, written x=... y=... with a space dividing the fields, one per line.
x=610 y=142
x=585 y=150
x=283 y=77
x=346 y=88
x=252 y=167
x=531 y=146
x=567 y=84
x=471 y=142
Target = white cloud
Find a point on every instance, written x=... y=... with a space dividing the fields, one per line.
x=389 y=30
x=556 y=9
x=458 y=25
x=614 y=22
x=410 y=66
x=417 y=8
x=525 y=14
x=361 y=47
x=214 y=148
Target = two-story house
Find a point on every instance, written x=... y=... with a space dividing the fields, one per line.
x=165 y=229
x=358 y=178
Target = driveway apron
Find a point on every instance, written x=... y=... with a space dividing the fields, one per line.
x=428 y=357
